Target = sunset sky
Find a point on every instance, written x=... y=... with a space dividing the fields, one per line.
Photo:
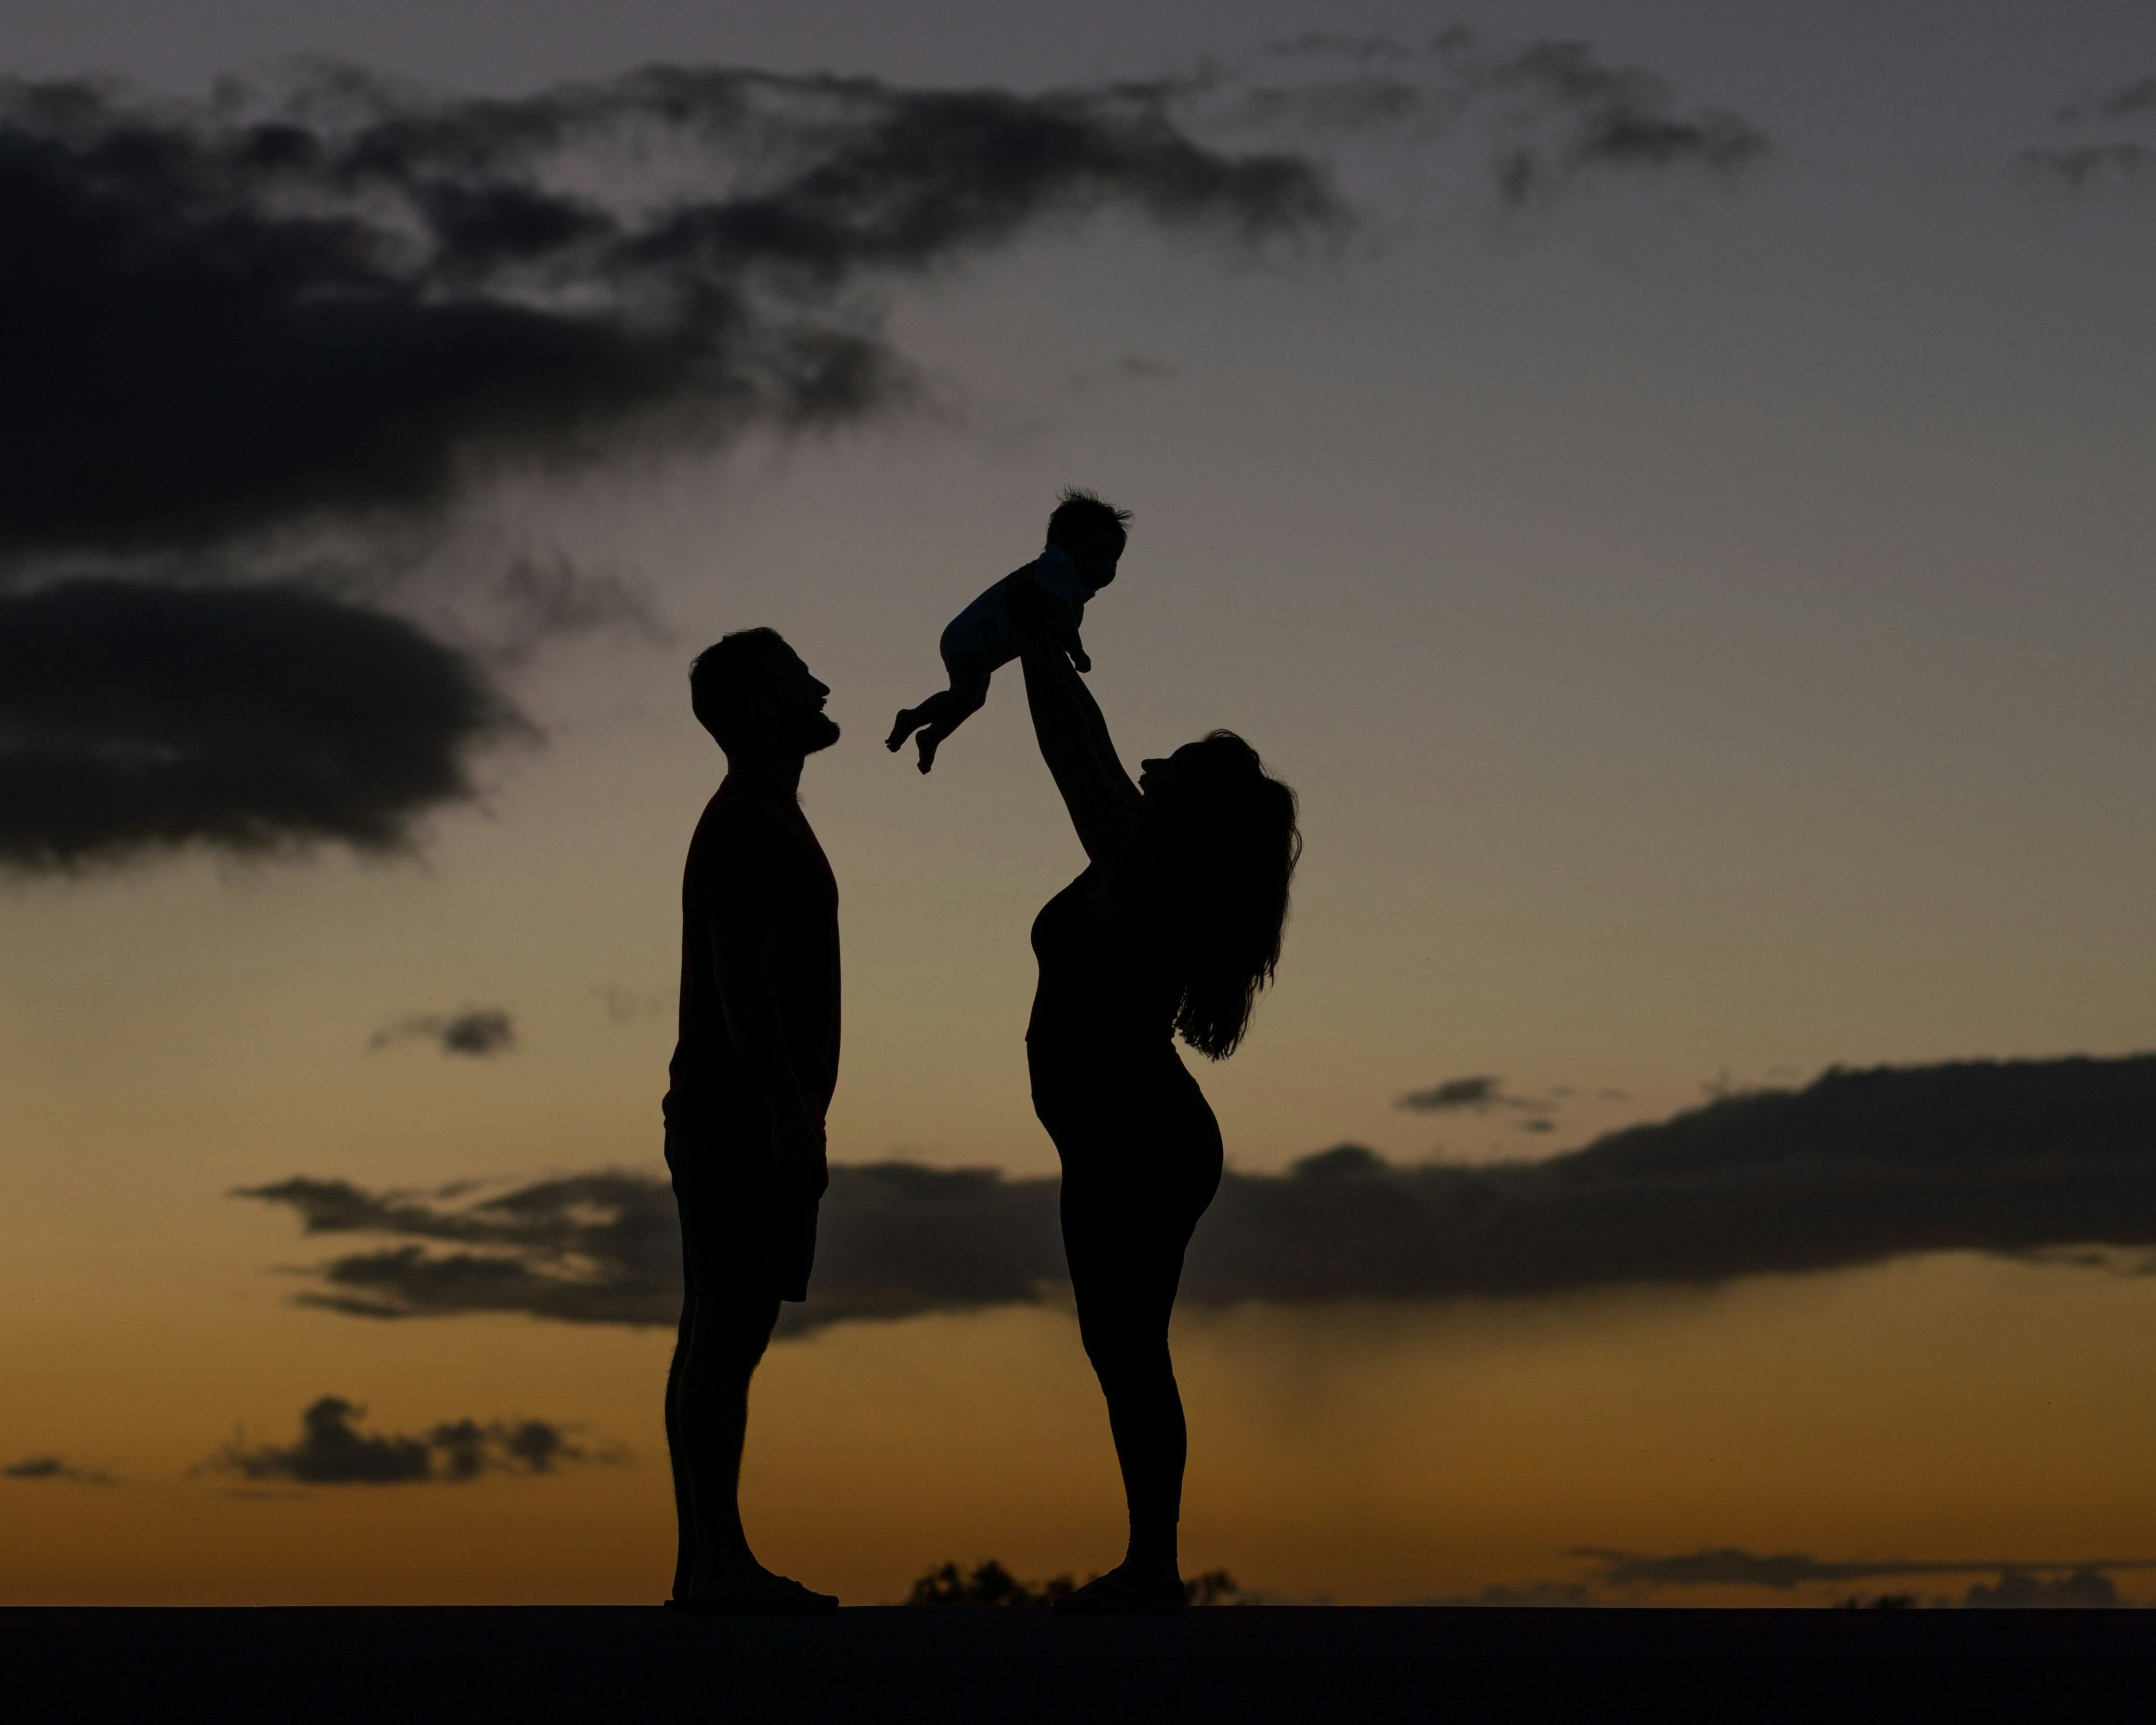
x=1676 y=506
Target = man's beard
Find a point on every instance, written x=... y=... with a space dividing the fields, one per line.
x=813 y=732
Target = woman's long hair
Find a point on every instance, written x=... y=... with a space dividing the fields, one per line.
x=1230 y=844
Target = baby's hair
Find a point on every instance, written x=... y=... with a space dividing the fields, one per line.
x=1082 y=521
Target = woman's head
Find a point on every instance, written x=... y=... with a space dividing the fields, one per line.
x=1227 y=833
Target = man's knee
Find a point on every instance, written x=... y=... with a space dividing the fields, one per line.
x=732 y=1330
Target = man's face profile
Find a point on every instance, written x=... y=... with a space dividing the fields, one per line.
x=793 y=700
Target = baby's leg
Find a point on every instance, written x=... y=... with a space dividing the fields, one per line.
x=942 y=713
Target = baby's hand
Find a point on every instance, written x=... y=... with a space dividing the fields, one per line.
x=1078 y=655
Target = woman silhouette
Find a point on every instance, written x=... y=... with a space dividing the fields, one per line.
x=1174 y=926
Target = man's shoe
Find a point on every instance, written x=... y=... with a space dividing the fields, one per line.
x=768 y=1596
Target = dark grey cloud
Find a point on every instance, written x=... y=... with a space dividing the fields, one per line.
x=897 y=1239
x=2084 y=1588
x=2023 y=1158
x=540 y=599
x=52 y=1467
x=2083 y=162
x=1552 y=115
x=476 y=1030
x=242 y=325
x=331 y=1449
x=136 y=717
x=2077 y=1582
x=1580 y=116
x=343 y=297
x=2076 y=165
x=2126 y=101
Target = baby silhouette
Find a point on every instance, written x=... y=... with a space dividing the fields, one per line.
x=1085 y=539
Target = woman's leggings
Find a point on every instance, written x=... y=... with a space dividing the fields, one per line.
x=1141 y=1162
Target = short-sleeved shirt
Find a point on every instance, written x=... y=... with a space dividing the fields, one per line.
x=754 y=857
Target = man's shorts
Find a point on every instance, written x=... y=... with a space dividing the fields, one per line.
x=739 y=1234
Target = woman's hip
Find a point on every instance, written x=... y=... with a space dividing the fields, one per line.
x=1155 y=1147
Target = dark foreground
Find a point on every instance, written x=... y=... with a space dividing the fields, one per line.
x=539 y=1663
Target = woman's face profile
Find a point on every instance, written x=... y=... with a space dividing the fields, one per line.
x=1160 y=778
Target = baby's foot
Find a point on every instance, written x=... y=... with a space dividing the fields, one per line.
x=928 y=743
x=902 y=728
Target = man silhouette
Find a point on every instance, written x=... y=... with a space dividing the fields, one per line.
x=751 y=1077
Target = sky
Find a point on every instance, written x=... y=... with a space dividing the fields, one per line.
x=1666 y=484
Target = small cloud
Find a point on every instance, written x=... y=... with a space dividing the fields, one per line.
x=541 y=598
x=2077 y=165
x=2084 y=1588
x=2123 y=103
x=1476 y=1092
x=2138 y=97
x=137 y=718
x=2082 y=1582
x=624 y=1005
x=52 y=1467
x=1552 y=113
x=477 y=1030
x=332 y=1450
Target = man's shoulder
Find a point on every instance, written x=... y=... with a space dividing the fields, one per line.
x=738 y=822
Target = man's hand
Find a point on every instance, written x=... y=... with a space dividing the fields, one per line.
x=798 y=1161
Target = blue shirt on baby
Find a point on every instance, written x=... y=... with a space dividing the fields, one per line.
x=981 y=635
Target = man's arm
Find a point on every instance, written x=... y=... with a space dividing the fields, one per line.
x=742 y=945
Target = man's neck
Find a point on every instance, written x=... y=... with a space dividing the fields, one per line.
x=775 y=773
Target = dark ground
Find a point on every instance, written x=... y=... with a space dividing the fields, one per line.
x=387 y=1667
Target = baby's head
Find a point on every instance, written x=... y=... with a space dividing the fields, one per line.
x=1091 y=531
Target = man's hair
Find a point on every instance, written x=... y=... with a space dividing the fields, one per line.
x=723 y=674
x=1082 y=521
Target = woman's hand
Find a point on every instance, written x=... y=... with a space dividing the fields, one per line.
x=1032 y=610
x=1040 y=620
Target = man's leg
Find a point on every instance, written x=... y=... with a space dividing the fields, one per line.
x=677 y=1454
x=723 y=1337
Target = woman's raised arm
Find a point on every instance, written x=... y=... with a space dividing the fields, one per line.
x=1104 y=806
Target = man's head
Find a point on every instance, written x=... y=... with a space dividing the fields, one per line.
x=756 y=697
x=1091 y=531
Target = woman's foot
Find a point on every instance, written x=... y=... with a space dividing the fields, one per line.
x=1125 y=1592
x=755 y=1592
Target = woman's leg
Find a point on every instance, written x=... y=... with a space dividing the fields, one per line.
x=1124 y=1268
x=1136 y=1179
